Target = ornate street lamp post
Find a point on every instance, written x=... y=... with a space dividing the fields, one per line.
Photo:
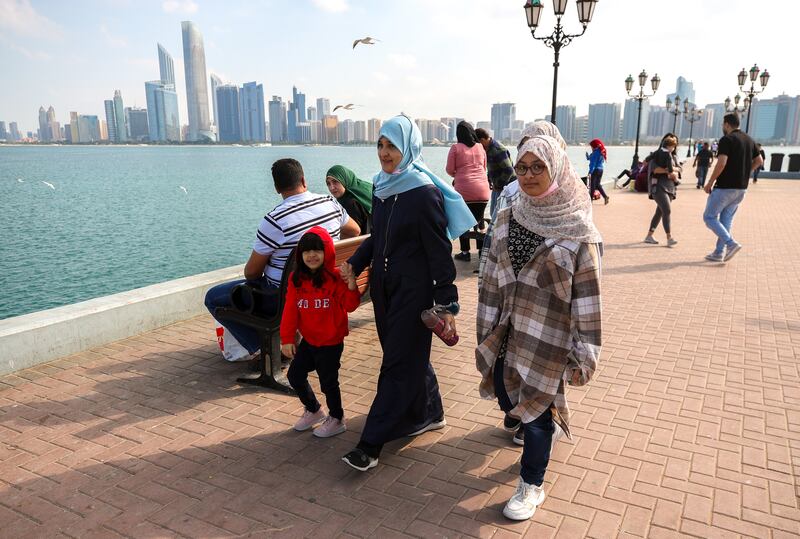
x=654 y=82
x=735 y=107
x=752 y=92
x=558 y=39
x=692 y=115
x=675 y=112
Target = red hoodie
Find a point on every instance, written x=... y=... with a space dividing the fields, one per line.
x=319 y=313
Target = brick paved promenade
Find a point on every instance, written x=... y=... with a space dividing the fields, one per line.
x=691 y=426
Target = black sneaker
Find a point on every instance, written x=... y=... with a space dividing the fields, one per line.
x=359 y=460
x=519 y=436
x=511 y=424
x=464 y=257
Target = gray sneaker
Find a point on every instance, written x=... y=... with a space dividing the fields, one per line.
x=732 y=251
x=715 y=257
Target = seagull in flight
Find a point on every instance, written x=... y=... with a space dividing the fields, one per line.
x=349 y=106
x=365 y=41
x=50 y=185
x=184 y=189
x=20 y=180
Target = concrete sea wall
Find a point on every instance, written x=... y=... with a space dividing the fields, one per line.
x=31 y=339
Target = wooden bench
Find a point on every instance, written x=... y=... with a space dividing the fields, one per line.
x=268 y=326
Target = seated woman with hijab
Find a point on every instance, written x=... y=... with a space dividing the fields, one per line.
x=353 y=194
x=415 y=216
x=539 y=309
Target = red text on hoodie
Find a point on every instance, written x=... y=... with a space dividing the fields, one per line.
x=319 y=313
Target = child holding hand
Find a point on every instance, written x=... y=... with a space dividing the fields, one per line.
x=318 y=299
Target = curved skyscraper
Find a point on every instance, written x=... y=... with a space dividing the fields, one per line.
x=194 y=62
x=166 y=67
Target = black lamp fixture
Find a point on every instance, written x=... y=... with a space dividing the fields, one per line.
x=558 y=38
x=692 y=114
x=654 y=83
x=750 y=94
x=674 y=108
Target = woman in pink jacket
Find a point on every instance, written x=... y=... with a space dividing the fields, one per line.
x=466 y=163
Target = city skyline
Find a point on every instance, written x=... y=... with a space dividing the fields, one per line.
x=419 y=67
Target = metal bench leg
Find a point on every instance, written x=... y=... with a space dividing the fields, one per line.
x=271 y=377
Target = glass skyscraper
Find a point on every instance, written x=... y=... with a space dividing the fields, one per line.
x=503 y=117
x=111 y=120
x=119 y=111
x=162 y=112
x=216 y=82
x=166 y=66
x=277 y=120
x=194 y=63
x=251 y=106
x=228 y=107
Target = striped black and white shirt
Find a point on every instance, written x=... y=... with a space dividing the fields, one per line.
x=280 y=229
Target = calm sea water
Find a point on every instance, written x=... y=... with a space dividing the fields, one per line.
x=118 y=219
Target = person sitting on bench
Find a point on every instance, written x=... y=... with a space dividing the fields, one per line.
x=277 y=234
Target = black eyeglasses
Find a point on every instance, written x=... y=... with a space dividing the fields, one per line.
x=535 y=169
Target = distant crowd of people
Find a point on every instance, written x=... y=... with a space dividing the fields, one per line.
x=539 y=301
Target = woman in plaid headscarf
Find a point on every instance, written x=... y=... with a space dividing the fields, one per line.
x=539 y=309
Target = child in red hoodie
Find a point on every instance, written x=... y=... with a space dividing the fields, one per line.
x=317 y=303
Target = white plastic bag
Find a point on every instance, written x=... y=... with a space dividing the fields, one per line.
x=229 y=346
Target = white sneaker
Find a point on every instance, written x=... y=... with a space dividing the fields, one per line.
x=524 y=502
x=330 y=427
x=434 y=425
x=309 y=419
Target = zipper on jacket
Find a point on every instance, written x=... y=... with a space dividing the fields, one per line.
x=386 y=237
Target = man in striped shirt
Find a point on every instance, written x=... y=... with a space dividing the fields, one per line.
x=278 y=233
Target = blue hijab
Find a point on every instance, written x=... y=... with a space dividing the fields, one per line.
x=412 y=173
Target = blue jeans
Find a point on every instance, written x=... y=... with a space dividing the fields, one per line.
x=220 y=296
x=538 y=434
x=702 y=172
x=718 y=215
x=493 y=203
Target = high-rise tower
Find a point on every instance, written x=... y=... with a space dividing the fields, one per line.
x=166 y=66
x=194 y=63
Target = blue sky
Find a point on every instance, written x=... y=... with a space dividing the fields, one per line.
x=436 y=57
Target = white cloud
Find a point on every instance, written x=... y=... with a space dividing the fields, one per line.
x=380 y=76
x=111 y=39
x=31 y=55
x=406 y=61
x=332 y=6
x=19 y=17
x=179 y=6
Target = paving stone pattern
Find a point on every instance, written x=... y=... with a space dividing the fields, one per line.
x=691 y=426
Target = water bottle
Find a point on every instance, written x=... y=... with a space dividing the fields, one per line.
x=433 y=321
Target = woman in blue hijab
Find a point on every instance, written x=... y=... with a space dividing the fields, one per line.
x=414 y=217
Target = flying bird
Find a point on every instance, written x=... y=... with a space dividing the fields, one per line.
x=184 y=189
x=365 y=41
x=50 y=185
x=20 y=180
x=444 y=125
x=349 y=106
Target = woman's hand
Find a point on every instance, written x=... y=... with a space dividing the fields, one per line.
x=346 y=271
x=450 y=325
x=576 y=377
x=288 y=350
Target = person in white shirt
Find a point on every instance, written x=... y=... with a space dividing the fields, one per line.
x=278 y=233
